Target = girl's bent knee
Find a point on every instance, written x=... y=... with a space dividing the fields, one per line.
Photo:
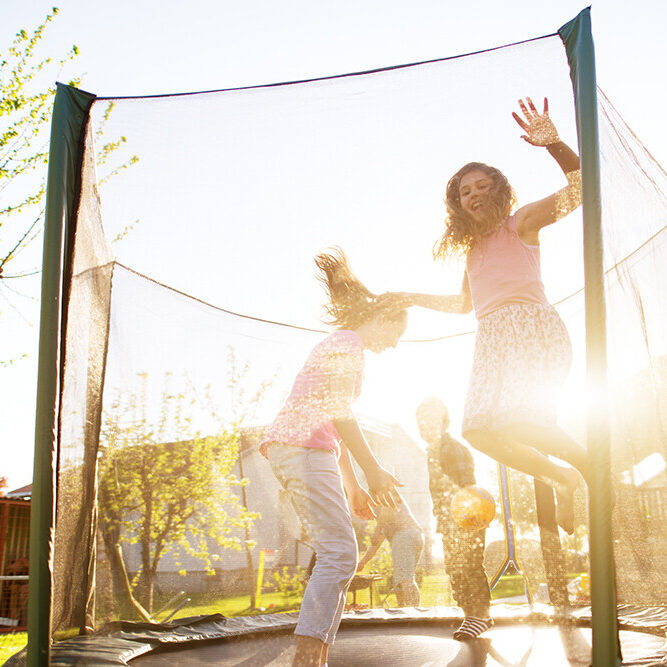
x=348 y=561
x=487 y=442
x=343 y=560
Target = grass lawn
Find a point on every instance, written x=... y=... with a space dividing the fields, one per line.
x=508 y=586
x=435 y=590
x=10 y=643
x=237 y=606
x=512 y=584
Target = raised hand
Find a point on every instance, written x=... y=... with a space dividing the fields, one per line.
x=539 y=128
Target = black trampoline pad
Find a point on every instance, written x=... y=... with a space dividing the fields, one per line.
x=419 y=645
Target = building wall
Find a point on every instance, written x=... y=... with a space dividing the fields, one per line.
x=14 y=552
x=278 y=529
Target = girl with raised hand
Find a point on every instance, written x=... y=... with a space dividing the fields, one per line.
x=522 y=349
x=309 y=445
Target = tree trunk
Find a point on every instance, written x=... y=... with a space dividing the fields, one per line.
x=147 y=577
x=251 y=566
x=123 y=606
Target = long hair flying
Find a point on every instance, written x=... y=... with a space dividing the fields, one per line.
x=462 y=232
x=350 y=303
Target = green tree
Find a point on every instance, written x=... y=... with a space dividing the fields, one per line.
x=27 y=92
x=290 y=584
x=168 y=496
x=170 y=488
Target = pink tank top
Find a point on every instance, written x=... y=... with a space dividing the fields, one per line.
x=502 y=270
x=307 y=418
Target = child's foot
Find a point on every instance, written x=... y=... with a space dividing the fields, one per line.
x=472 y=627
x=565 y=500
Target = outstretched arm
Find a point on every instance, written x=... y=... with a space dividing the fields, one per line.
x=540 y=131
x=445 y=303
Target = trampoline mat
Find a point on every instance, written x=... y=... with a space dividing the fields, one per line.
x=421 y=645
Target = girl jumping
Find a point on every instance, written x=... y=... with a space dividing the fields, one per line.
x=309 y=442
x=522 y=349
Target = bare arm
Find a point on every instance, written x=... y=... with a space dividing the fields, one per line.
x=382 y=485
x=445 y=303
x=347 y=472
x=361 y=504
x=377 y=538
x=540 y=131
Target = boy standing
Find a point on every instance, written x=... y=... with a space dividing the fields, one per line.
x=451 y=466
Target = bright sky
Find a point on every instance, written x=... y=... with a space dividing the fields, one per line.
x=149 y=47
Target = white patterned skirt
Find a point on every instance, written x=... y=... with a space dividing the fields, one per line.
x=522 y=357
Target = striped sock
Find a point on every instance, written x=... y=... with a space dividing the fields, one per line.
x=472 y=627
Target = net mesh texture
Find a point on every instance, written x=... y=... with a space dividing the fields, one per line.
x=184 y=334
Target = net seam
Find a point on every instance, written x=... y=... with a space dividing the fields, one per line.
x=259 y=319
x=326 y=78
x=411 y=340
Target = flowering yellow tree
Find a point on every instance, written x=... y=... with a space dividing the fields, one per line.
x=168 y=495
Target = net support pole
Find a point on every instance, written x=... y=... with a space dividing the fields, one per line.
x=70 y=114
x=578 y=40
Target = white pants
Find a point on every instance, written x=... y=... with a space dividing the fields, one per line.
x=312 y=479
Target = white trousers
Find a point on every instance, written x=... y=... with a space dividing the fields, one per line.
x=313 y=480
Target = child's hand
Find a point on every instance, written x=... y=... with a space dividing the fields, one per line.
x=383 y=487
x=361 y=504
x=539 y=128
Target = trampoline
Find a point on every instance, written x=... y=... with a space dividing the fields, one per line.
x=179 y=302
x=401 y=637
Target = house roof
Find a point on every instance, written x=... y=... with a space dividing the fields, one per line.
x=22 y=492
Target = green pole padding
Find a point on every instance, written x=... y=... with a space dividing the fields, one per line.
x=578 y=40
x=70 y=115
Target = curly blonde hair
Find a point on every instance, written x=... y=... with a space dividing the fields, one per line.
x=351 y=303
x=462 y=232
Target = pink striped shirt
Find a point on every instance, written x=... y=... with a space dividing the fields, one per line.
x=306 y=419
x=502 y=270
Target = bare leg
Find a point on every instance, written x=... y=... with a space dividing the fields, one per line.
x=526 y=458
x=308 y=652
x=555 y=441
x=517 y=455
x=407 y=594
x=549 y=440
x=400 y=602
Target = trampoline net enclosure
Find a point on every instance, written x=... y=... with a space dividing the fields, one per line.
x=182 y=336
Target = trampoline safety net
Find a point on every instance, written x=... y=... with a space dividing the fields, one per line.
x=191 y=304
